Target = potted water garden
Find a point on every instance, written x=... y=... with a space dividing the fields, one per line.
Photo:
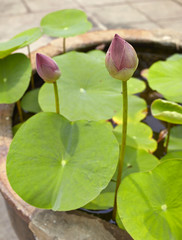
x=83 y=137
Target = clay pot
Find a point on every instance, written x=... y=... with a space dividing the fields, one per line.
x=31 y=223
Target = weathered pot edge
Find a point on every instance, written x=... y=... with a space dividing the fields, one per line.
x=54 y=48
x=22 y=208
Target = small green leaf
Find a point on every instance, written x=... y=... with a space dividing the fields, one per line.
x=52 y=161
x=15 y=72
x=137 y=110
x=65 y=23
x=167 y=111
x=29 y=101
x=98 y=55
x=136 y=160
x=144 y=73
x=150 y=203
x=86 y=84
x=175 y=140
x=135 y=86
x=174 y=57
x=173 y=155
x=119 y=222
x=165 y=77
x=105 y=199
x=16 y=128
x=31 y=35
x=8 y=47
x=139 y=135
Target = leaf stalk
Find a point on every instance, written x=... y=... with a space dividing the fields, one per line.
x=56 y=97
x=122 y=146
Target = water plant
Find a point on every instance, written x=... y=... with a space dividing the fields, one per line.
x=66 y=155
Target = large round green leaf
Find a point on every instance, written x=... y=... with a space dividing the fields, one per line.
x=31 y=35
x=139 y=135
x=136 y=160
x=166 y=78
x=29 y=101
x=65 y=23
x=150 y=203
x=61 y=165
x=167 y=111
x=137 y=110
x=9 y=46
x=175 y=139
x=86 y=90
x=15 y=72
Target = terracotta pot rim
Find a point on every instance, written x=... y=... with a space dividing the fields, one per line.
x=161 y=37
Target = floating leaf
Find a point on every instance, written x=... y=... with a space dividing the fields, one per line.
x=144 y=73
x=31 y=35
x=135 y=86
x=65 y=23
x=173 y=155
x=29 y=101
x=175 y=140
x=174 y=57
x=137 y=110
x=136 y=160
x=165 y=77
x=16 y=127
x=139 y=135
x=15 y=72
x=98 y=54
x=167 y=111
x=150 y=203
x=9 y=46
x=105 y=199
x=52 y=160
x=86 y=90
x=119 y=222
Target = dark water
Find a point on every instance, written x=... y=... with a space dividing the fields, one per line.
x=104 y=214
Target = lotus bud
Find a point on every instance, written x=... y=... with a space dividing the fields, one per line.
x=121 y=59
x=47 y=68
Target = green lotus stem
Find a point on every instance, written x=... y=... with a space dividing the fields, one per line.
x=32 y=78
x=56 y=97
x=64 y=45
x=168 y=135
x=122 y=146
x=19 y=110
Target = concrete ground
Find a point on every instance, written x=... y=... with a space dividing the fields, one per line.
x=19 y=15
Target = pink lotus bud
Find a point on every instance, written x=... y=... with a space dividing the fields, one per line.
x=47 y=68
x=121 y=59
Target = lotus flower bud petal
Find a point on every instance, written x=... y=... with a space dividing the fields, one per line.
x=121 y=59
x=47 y=68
